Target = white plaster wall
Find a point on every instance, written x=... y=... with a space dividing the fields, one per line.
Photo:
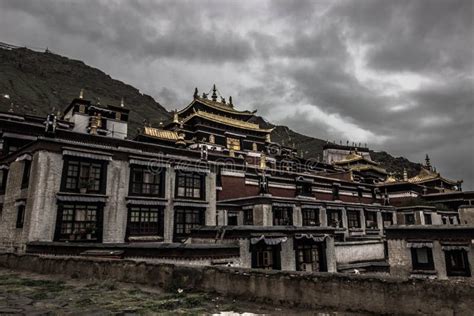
x=347 y=252
x=46 y=172
x=115 y=210
x=117 y=129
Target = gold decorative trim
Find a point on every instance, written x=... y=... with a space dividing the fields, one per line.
x=161 y=133
x=227 y=121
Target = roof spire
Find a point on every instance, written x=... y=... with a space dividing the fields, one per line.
x=405 y=175
x=214 y=94
x=230 y=101
x=81 y=94
x=427 y=162
x=196 y=93
x=122 y=104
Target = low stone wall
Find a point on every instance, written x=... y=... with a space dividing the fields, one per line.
x=381 y=295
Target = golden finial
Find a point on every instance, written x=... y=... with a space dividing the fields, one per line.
x=122 y=104
x=268 y=138
x=230 y=101
x=405 y=175
x=214 y=94
x=175 y=117
x=263 y=161
x=81 y=94
x=196 y=93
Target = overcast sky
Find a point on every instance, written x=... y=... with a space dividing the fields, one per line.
x=398 y=75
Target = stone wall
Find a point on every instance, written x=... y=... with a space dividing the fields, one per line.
x=357 y=293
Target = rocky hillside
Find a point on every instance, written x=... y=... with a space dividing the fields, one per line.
x=39 y=82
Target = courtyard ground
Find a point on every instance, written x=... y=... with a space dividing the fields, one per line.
x=23 y=293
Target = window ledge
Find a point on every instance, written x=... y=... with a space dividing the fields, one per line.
x=423 y=272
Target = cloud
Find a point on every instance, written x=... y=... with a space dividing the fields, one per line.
x=395 y=74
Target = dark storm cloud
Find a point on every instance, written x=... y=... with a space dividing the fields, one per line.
x=396 y=74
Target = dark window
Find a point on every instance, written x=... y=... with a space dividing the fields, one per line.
x=20 y=216
x=232 y=219
x=422 y=258
x=26 y=174
x=353 y=219
x=145 y=221
x=1 y=211
x=189 y=185
x=444 y=219
x=248 y=217
x=457 y=263
x=144 y=181
x=409 y=219
x=89 y=176
x=304 y=189
x=187 y=219
x=371 y=219
x=428 y=220
x=359 y=192
x=3 y=180
x=309 y=257
x=335 y=192
x=387 y=218
x=310 y=217
x=266 y=257
x=79 y=222
x=282 y=216
x=334 y=218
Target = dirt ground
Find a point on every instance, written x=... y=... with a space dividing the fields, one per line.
x=23 y=293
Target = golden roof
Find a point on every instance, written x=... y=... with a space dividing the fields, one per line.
x=390 y=179
x=161 y=133
x=368 y=167
x=428 y=175
x=352 y=157
x=227 y=120
x=217 y=105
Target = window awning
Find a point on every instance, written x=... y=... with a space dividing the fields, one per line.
x=283 y=204
x=317 y=238
x=84 y=154
x=464 y=247
x=191 y=169
x=191 y=204
x=4 y=167
x=81 y=198
x=20 y=203
x=270 y=241
x=152 y=163
x=146 y=202
x=421 y=244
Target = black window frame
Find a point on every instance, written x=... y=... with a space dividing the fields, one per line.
x=77 y=179
x=385 y=216
x=428 y=216
x=311 y=217
x=409 y=219
x=139 y=169
x=182 y=220
x=374 y=220
x=304 y=254
x=262 y=252
x=304 y=188
x=248 y=217
x=353 y=219
x=282 y=215
x=416 y=265
x=335 y=192
x=144 y=226
x=332 y=222
x=60 y=234
x=457 y=271
x=4 y=179
x=187 y=176
x=20 y=215
x=25 y=178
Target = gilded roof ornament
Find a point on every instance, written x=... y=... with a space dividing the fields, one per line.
x=214 y=94
x=196 y=93
x=81 y=94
